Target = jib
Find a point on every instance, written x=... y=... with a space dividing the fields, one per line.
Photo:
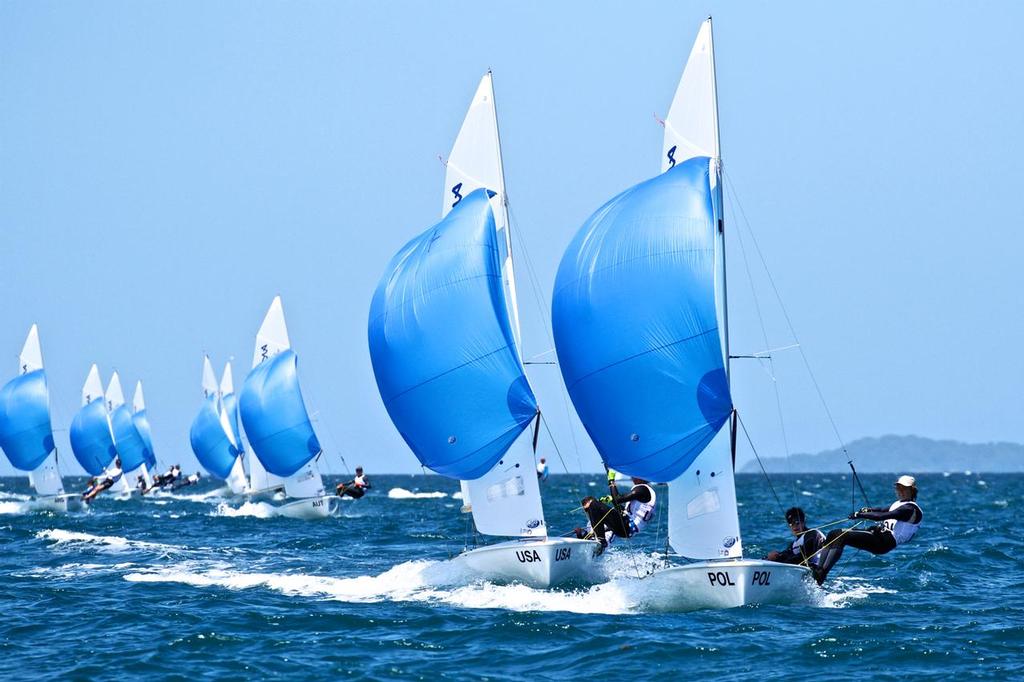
x=527 y=556
x=563 y=553
x=720 y=578
x=761 y=578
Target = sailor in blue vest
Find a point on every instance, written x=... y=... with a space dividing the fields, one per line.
x=804 y=549
x=899 y=523
x=606 y=523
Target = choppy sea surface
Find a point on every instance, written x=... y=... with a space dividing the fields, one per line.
x=196 y=585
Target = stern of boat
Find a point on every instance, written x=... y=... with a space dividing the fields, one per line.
x=540 y=563
x=730 y=583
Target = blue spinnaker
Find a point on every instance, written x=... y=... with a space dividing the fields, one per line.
x=636 y=328
x=442 y=347
x=90 y=438
x=141 y=422
x=230 y=403
x=209 y=441
x=26 y=436
x=129 y=442
x=275 y=417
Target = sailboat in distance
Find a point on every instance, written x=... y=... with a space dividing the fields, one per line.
x=26 y=434
x=135 y=454
x=141 y=421
x=444 y=342
x=277 y=424
x=213 y=441
x=641 y=330
x=92 y=440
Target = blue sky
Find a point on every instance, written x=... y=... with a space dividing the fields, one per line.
x=167 y=168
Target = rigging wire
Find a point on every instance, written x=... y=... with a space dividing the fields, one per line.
x=768 y=357
x=789 y=323
x=546 y=315
x=782 y=509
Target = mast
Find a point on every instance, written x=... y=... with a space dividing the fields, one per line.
x=720 y=196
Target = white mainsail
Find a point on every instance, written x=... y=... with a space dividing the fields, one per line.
x=506 y=500
x=209 y=378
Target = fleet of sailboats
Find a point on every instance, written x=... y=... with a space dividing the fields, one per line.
x=641 y=329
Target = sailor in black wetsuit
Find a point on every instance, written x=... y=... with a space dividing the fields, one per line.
x=803 y=550
x=607 y=522
x=355 y=488
x=899 y=524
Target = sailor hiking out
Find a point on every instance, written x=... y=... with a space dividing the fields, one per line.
x=899 y=523
x=605 y=523
x=355 y=488
x=804 y=549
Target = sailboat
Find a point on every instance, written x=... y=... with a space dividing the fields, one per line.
x=277 y=424
x=229 y=415
x=131 y=448
x=92 y=438
x=445 y=344
x=26 y=434
x=141 y=422
x=214 y=443
x=641 y=331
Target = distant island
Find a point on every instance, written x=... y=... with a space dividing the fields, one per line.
x=901 y=454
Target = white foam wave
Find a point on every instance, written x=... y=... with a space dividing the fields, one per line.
x=4 y=495
x=9 y=507
x=844 y=591
x=259 y=510
x=114 y=543
x=403 y=494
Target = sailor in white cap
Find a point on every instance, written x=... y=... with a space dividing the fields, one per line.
x=899 y=523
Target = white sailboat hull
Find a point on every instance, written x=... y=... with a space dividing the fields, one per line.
x=61 y=504
x=310 y=508
x=541 y=563
x=730 y=583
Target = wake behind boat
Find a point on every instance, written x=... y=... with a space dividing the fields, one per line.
x=445 y=344
x=641 y=329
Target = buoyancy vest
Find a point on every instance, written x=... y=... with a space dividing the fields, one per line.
x=798 y=545
x=902 y=531
x=640 y=513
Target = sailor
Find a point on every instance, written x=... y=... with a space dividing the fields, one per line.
x=605 y=523
x=191 y=480
x=355 y=488
x=140 y=483
x=542 y=470
x=167 y=478
x=99 y=485
x=899 y=523
x=804 y=549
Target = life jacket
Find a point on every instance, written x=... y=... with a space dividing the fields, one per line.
x=359 y=482
x=798 y=545
x=902 y=531
x=638 y=514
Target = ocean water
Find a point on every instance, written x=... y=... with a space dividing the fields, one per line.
x=195 y=586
